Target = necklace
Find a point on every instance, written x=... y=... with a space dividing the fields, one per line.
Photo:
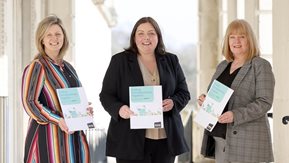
x=154 y=77
x=235 y=66
x=150 y=75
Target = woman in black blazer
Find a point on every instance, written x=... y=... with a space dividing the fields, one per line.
x=144 y=63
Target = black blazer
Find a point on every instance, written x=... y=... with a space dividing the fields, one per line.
x=124 y=71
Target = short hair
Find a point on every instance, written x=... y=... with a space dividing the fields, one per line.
x=240 y=26
x=42 y=28
x=160 y=49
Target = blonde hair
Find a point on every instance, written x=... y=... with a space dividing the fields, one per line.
x=242 y=27
x=42 y=28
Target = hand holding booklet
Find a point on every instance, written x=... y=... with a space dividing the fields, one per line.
x=213 y=106
x=74 y=105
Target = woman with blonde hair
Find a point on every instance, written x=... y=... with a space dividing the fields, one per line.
x=48 y=139
x=242 y=133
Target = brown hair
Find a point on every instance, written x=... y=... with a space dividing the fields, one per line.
x=46 y=23
x=160 y=49
x=240 y=26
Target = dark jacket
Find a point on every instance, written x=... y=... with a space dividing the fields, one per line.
x=124 y=71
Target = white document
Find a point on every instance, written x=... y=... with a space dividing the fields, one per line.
x=146 y=103
x=74 y=103
x=213 y=106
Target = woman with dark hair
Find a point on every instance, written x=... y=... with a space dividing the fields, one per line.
x=145 y=62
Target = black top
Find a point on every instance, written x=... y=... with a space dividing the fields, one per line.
x=227 y=79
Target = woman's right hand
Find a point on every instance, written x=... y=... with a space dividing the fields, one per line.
x=63 y=126
x=125 y=112
x=201 y=99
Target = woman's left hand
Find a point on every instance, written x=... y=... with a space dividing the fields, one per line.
x=168 y=104
x=227 y=117
x=89 y=109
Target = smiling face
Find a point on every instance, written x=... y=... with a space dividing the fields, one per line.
x=238 y=44
x=146 y=38
x=53 y=41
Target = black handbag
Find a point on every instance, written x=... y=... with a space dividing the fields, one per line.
x=210 y=150
x=208 y=147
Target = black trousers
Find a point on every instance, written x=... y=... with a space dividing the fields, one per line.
x=156 y=151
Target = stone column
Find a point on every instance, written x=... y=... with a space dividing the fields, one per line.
x=208 y=56
x=232 y=10
x=281 y=66
x=13 y=115
x=251 y=9
x=64 y=9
